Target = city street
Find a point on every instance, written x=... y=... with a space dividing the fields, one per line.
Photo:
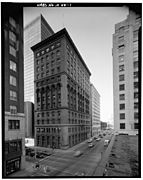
x=66 y=164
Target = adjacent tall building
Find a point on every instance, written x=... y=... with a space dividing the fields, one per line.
x=95 y=111
x=126 y=57
x=13 y=81
x=29 y=119
x=34 y=32
x=62 y=93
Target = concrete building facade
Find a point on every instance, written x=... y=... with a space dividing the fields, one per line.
x=29 y=119
x=95 y=111
x=62 y=93
x=13 y=80
x=126 y=57
x=35 y=32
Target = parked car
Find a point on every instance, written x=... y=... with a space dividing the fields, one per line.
x=78 y=153
x=90 y=145
x=40 y=155
x=98 y=139
x=79 y=174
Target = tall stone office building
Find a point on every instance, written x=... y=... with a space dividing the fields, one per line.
x=126 y=57
x=62 y=93
x=35 y=32
x=13 y=81
x=95 y=111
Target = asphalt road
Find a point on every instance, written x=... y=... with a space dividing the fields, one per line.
x=65 y=164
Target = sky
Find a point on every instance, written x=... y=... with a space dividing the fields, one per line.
x=91 y=29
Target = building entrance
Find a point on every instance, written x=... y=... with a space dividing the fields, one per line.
x=13 y=165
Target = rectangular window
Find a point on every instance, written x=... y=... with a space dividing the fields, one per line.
x=135 y=34
x=122 y=125
x=13 y=109
x=135 y=45
x=13 y=80
x=135 y=64
x=135 y=85
x=12 y=22
x=12 y=36
x=136 y=126
x=121 y=39
x=121 y=68
x=12 y=51
x=121 y=58
x=13 y=95
x=122 y=106
x=135 y=53
x=135 y=74
x=122 y=96
x=136 y=105
x=13 y=66
x=136 y=115
x=121 y=77
x=122 y=115
x=14 y=124
x=136 y=95
x=121 y=48
x=122 y=87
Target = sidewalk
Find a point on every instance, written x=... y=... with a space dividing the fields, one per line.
x=101 y=167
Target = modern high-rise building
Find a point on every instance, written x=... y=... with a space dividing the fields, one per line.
x=13 y=81
x=34 y=32
x=95 y=111
x=29 y=119
x=62 y=93
x=126 y=57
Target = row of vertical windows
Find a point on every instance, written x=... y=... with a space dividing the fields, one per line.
x=122 y=96
x=122 y=126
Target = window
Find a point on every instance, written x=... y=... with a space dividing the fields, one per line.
x=58 y=44
x=136 y=126
x=122 y=115
x=13 y=109
x=135 y=75
x=38 y=62
x=52 y=47
x=135 y=85
x=42 y=60
x=13 y=124
x=121 y=87
x=58 y=69
x=38 y=69
x=136 y=105
x=136 y=115
x=38 y=54
x=121 y=39
x=136 y=95
x=13 y=66
x=122 y=125
x=121 y=77
x=136 y=64
x=42 y=67
x=12 y=36
x=12 y=51
x=13 y=95
x=121 y=48
x=135 y=34
x=42 y=52
x=47 y=57
x=121 y=58
x=12 y=80
x=52 y=71
x=47 y=50
x=12 y=22
x=121 y=68
x=122 y=106
x=135 y=53
x=135 y=45
x=58 y=52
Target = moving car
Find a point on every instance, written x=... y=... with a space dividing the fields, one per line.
x=90 y=145
x=78 y=153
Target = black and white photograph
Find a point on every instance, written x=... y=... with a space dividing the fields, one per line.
x=71 y=90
